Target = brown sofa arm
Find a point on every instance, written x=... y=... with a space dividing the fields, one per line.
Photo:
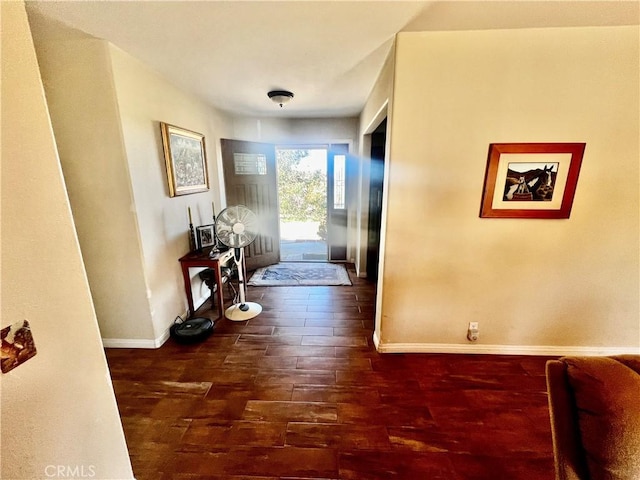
x=594 y=407
x=570 y=463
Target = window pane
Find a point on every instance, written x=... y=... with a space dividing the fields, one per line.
x=249 y=164
x=339 y=186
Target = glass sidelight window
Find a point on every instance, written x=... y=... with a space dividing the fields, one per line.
x=339 y=182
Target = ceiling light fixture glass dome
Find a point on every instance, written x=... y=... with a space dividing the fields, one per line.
x=280 y=96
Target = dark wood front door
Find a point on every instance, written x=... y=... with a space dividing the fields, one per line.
x=250 y=179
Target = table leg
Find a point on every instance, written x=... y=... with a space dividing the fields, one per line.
x=187 y=288
x=218 y=278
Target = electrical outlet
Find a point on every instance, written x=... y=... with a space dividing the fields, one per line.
x=473 y=333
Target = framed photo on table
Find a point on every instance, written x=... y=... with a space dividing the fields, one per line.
x=531 y=180
x=205 y=236
x=186 y=160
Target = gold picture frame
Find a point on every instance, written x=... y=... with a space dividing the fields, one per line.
x=186 y=160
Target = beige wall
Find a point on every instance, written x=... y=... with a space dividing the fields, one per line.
x=379 y=106
x=58 y=409
x=144 y=99
x=86 y=121
x=535 y=286
x=106 y=109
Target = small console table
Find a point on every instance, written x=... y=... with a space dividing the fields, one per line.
x=199 y=260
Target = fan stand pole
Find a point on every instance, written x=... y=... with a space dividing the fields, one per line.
x=243 y=310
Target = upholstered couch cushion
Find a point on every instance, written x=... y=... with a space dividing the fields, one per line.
x=606 y=391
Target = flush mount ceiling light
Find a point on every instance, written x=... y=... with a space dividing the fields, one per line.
x=280 y=96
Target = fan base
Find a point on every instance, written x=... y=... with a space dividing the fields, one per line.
x=242 y=311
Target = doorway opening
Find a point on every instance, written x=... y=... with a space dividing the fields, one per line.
x=302 y=196
x=376 y=188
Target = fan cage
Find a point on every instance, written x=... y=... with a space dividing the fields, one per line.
x=236 y=226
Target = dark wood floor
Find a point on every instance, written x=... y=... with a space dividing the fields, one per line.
x=299 y=392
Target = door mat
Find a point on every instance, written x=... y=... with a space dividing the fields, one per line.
x=308 y=274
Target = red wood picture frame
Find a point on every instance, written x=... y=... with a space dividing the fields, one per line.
x=531 y=180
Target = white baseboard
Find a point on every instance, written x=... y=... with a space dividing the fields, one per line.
x=138 y=342
x=545 y=350
x=130 y=343
x=162 y=338
x=376 y=341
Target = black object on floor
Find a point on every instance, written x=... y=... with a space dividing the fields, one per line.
x=191 y=331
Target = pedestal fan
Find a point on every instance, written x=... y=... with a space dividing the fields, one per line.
x=237 y=227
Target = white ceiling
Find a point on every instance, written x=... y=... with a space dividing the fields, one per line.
x=329 y=53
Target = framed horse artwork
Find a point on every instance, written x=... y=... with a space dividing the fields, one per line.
x=531 y=180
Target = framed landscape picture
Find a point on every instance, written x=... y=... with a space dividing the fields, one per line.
x=185 y=159
x=531 y=180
